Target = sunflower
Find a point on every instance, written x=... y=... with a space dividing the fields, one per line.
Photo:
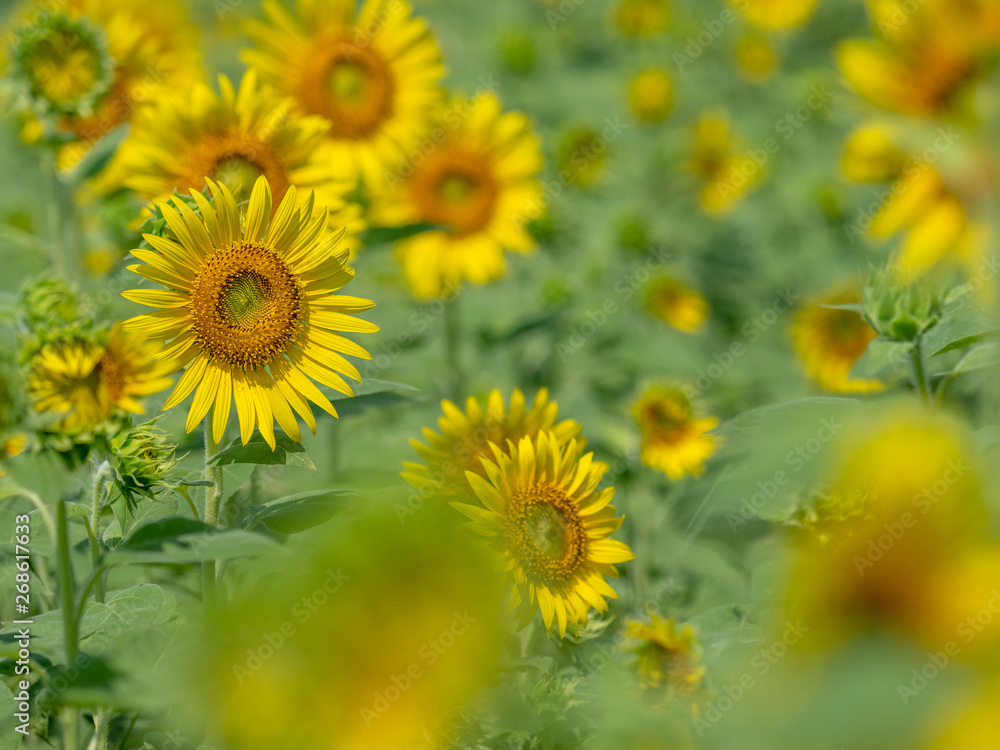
x=143 y=50
x=668 y=658
x=233 y=137
x=85 y=381
x=776 y=14
x=756 y=57
x=651 y=95
x=251 y=310
x=465 y=438
x=639 y=18
x=479 y=185
x=673 y=439
x=830 y=341
x=550 y=525
x=672 y=302
x=372 y=71
x=726 y=174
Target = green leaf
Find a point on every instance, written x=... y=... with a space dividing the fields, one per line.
x=299 y=512
x=884 y=354
x=9 y=738
x=960 y=328
x=286 y=452
x=153 y=536
x=389 y=235
x=372 y=393
x=161 y=547
x=981 y=357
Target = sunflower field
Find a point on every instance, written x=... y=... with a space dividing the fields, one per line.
x=521 y=375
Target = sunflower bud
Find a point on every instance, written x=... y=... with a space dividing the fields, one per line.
x=142 y=460
x=897 y=311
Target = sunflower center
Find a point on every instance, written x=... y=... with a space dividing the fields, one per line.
x=110 y=376
x=457 y=189
x=64 y=64
x=668 y=415
x=350 y=85
x=545 y=535
x=246 y=305
x=236 y=160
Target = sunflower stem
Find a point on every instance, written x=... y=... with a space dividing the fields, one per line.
x=453 y=354
x=213 y=496
x=919 y=375
x=71 y=716
x=94 y=531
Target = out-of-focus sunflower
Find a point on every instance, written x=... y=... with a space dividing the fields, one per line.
x=920 y=559
x=829 y=342
x=756 y=57
x=479 y=184
x=674 y=440
x=463 y=442
x=651 y=95
x=151 y=48
x=234 y=138
x=924 y=63
x=372 y=71
x=934 y=218
x=776 y=14
x=11 y=447
x=727 y=173
x=85 y=381
x=640 y=18
x=669 y=658
x=550 y=525
x=672 y=302
x=251 y=309
x=581 y=157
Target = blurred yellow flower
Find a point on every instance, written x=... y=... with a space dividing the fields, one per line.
x=83 y=382
x=726 y=173
x=672 y=302
x=462 y=445
x=640 y=18
x=921 y=560
x=479 y=184
x=776 y=14
x=233 y=138
x=756 y=57
x=871 y=154
x=251 y=309
x=582 y=155
x=651 y=95
x=669 y=658
x=550 y=524
x=370 y=69
x=674 y=440
x=374 y=642
x=830 y=341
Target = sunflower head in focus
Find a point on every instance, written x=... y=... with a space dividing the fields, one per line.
x=674 y=439
x=829 y=341
x=478 y=184
x=677 y=305
x=639 y=18
x=84 y=382
x=250 y=309
x=651 y=95
x=234 y=138
x=63 y=65
x=550 y=526
x=371 y=71
x=669 y=658
x=776 y=14
x=463 y=443
x=720 y=163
